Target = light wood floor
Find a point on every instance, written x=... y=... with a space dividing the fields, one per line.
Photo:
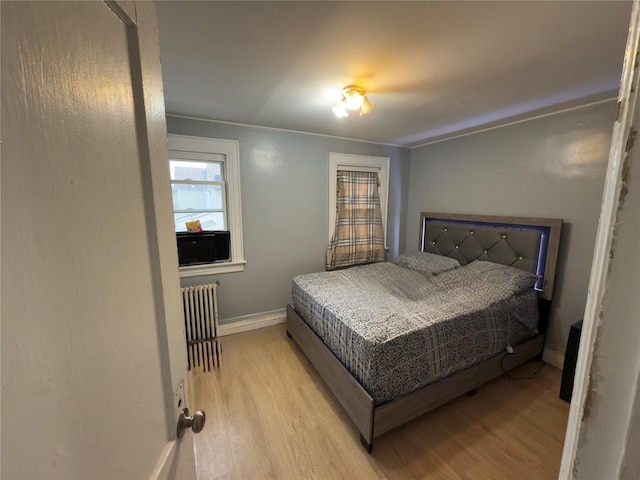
x=270 y=416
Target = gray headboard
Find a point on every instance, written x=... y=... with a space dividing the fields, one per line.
x=522 y=242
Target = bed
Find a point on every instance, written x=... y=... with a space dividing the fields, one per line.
x=395 y=340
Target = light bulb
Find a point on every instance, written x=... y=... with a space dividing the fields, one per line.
x=354 y=101
x=340 y=110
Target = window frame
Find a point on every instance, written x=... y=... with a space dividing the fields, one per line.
x=364 y=163
x=231 y=151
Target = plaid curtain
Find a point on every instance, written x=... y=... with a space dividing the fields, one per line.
x=358 y=236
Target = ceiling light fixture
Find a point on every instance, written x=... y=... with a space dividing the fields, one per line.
x=353 y=99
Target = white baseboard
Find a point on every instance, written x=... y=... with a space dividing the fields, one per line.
x=255 y=321
x=553 y=357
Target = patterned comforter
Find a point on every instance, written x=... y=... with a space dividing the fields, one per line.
x=397 y=329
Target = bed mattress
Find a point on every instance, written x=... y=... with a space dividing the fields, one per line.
x=396 y=329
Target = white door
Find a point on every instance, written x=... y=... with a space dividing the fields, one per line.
x=93 y=356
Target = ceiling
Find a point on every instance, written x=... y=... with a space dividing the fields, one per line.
x=433 y=69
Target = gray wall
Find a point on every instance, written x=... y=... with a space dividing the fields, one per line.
x=548 y=167
x=284 y=180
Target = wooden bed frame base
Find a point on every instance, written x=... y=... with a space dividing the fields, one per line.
x=372 y=421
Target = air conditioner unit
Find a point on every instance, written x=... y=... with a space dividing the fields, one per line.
x=203 y=247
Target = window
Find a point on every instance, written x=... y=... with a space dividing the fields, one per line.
x=205 y=184
x=362 y=163
x=198 y=189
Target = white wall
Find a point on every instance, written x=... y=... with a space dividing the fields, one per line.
x=285 y=195
x=547 y=167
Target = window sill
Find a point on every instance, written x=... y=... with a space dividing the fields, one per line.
x=212 y=269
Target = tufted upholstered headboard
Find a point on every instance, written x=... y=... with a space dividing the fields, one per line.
x=522 y=242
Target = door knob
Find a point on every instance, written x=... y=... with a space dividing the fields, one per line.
x=195 y=423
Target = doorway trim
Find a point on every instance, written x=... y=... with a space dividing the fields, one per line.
x=601 y=264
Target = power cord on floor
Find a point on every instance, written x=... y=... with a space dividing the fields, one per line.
x=521 y=377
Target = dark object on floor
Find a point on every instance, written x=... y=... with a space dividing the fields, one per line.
x=570 y=359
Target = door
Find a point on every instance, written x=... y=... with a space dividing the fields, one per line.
x=93 y=355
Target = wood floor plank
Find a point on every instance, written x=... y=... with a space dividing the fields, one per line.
x=270 y=416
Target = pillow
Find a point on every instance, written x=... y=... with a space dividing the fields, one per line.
x=427 y=263
x=513 y=280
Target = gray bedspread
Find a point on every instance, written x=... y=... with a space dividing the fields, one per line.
x=397 y=329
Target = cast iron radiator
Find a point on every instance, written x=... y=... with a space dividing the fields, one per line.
x=200 y=305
